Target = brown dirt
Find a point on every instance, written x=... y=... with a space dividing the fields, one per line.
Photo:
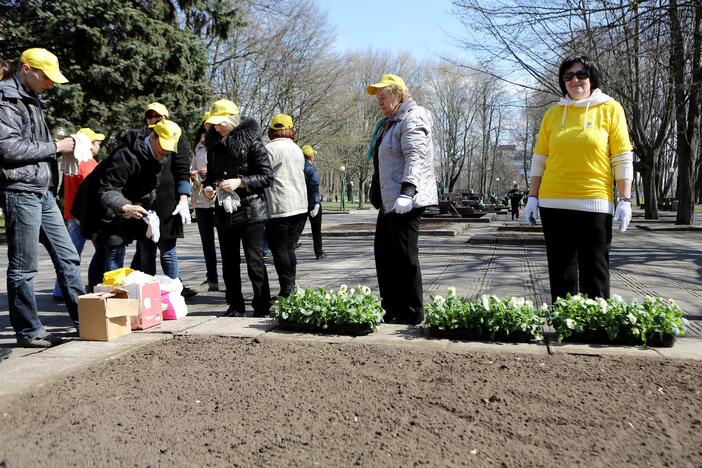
x=232 y=402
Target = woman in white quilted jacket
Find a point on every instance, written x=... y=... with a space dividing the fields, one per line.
x=403 y=185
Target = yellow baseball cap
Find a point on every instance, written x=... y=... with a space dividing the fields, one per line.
x=205 y=116
x=220 y=110
x=157 y=107
x=91 y=134
x=44 y=61
x=386 y=80
x=307 y=150
x=168 y=133
x=281 y=122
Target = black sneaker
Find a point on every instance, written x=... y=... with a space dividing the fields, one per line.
x=45 y=341
x=5 y=353
x=187 y=292
x=321 y=256
x=261 y=313
x=232 y=312
x=209 y=286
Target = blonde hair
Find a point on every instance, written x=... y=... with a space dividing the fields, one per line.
x=400 y=93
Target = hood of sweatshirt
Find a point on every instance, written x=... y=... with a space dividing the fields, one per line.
x=596 y=98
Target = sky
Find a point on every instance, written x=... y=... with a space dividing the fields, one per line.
x=422 y=27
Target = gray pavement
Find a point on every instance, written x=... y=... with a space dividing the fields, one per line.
x=504 y=259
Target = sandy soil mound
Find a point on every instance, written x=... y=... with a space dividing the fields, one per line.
x=232 y=402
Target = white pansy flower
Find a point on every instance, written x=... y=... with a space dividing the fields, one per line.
x=616 y=298
x=570 y=323
x=327 y=296
x=305 y=311
x=352 y=291
x=602 y=303
x=635 y=331
x=590 y=302
x=631 y=317
x=451 y=291
x=343 y=289
x=485 y=300
x=365 y=290
x=284 y=315
x=439 y=299
x=516 y=302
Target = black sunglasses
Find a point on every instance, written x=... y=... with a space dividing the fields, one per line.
x=580 y=74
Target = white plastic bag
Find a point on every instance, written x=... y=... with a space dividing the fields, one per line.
x=170 y=297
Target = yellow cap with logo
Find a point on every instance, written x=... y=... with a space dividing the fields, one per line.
x=92 y=136
x=386 y=80
x=44 y=61
x=157 y=107
x=221 y=110
x=307 y=150
x=168 y=133
x=205 y=116
x=281 y=122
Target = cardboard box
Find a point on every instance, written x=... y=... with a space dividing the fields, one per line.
x=105 y=316
x=149 y=295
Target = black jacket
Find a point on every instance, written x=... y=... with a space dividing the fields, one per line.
x=174 y=181
x=27 y=151
x=130 y=175
x=240 y=155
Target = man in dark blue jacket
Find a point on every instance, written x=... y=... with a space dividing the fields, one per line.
x=28 y=182
x=314 y=201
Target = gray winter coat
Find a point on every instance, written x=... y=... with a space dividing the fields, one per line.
x=27 y=151
x=406 y=154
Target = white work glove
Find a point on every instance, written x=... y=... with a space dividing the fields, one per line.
x=623 y=214
x=153 y=230
x=531 y=211
x=183 y=210
x=403 y=204
x=314 y=210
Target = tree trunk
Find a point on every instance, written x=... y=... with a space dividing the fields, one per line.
x=650 y=194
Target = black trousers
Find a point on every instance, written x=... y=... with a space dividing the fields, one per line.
x=283 y=234
x=577 y=249
x=397 y=266
x=316 y=226
x=230 y=240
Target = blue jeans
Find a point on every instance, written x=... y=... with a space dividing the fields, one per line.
x=107 y=257
x=73 y=227
x=169 y=256
x=205 y=224
x=31 y=218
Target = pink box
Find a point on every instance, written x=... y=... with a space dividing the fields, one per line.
x=149 y=295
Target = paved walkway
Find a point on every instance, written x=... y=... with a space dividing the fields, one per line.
x=503 y=260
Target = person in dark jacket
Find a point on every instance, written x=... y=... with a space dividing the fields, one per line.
x=238 y=170
x=28 y=183
x=113 y=202
x=314 y=202
x=171 y=204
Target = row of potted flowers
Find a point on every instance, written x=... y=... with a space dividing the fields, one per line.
x=653 y=321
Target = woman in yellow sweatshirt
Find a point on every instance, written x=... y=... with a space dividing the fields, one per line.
x=582 y=148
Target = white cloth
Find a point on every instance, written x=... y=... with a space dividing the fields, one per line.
x=153 y=231
x=82 y=152
x=623 y=215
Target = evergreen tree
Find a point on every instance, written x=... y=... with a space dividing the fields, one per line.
x=118 y=55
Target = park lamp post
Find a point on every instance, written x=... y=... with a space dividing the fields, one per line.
x=342 y=179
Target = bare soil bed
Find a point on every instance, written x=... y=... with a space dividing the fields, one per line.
x=233 y=402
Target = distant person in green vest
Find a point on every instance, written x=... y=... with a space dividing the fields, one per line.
x=515 y=200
